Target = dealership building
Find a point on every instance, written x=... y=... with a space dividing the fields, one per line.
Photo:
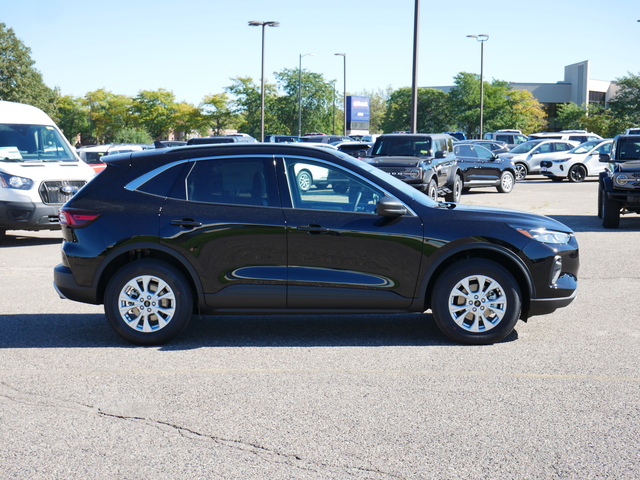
x=577 y=87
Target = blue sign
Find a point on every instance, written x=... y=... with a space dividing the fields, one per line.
x=358 y=109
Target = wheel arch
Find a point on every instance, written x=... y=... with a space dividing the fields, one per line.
x=498 y=254
x=120 y=257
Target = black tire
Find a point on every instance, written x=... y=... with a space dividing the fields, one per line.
x=476 y=302
x=521 y=171
x=162 y=315
x=577 y=173
x=432 y=190
x=600 y=195
x=610 y=212
x=507 y=181
x=3 y=234
x=305 y=180
x=456 y=190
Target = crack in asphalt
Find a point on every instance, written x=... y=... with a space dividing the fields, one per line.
x=17 y=396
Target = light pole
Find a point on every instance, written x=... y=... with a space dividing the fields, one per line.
x=254 y=23
x=300 y=92
x=483 y=37
x=414 y=81
x=344 y=95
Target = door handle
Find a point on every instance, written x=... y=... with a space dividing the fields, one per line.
x=186 y=223
x=313 y=229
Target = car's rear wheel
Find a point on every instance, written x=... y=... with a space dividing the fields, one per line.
x=521 y=171
x=305 y=180
x=148 y=302
x=610 y=212
x=577 y=173
x=476 y=301
x=456 y=190
x=600 y=195
x=507 y=180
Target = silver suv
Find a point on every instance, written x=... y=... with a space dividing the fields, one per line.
x=510 y=137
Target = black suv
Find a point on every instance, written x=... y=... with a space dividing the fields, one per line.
x=423 y=160
x=161 y=234
x=619 y=184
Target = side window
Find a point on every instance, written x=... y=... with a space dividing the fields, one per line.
x=561 y=147
x=604 y=148
x=230 y=181
x=336 y=189
x=544 y=148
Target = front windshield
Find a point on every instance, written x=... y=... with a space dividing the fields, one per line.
x=525 y=147
x=585 y=147
x=29 y=143
x=403 y=146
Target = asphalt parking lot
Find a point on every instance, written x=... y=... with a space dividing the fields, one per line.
x=343 y=397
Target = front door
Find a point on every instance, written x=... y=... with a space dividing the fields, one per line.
x=341 y=254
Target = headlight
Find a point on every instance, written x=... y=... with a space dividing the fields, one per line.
x=13 y=181
x=415 y=173
x=621 y=179
x=543 y=235
x=560 y=160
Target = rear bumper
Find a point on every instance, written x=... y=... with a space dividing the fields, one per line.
x=66 y=286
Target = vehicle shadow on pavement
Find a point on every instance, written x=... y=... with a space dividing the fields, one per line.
x=93 y=331
x=24 y=241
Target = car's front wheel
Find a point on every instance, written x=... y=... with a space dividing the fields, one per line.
x=148 y=302
x=476 y=301
x=577 y=173
x=456 y=190
x=521 y=171
x=610 y=211
x=507 y=180
x=432 y=190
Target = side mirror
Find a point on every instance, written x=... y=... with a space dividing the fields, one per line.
x=440 y=154
x=494 y=157
x=390 y=207
x=605 y=158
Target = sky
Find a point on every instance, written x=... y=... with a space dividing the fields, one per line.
x=195 y=48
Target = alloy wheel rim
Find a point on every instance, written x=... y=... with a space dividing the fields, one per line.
x=146 y=304
x=477 y=303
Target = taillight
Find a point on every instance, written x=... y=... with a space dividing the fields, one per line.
x=77 y=218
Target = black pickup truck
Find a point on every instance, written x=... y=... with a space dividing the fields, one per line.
x=423 y=160
x=619 y=184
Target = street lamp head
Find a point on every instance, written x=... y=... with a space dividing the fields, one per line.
x=341 y=54
x=256 y=23
x=483 y=37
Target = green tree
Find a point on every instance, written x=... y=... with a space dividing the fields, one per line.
x=19 y=80
x=247 y=105
x=154 y=111
x=434 y=114
x=316 y=101
x=132 y=135
x=108 y=114
x=571 y=116
x=217 y=113
x=73 y=118
x=626 y=102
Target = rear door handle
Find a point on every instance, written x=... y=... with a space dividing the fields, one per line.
x=186 y=223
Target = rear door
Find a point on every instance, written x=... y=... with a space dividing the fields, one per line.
x=224 y=216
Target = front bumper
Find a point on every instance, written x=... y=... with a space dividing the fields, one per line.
x=28 y=216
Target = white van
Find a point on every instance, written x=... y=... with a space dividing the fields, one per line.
x=39 y=170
